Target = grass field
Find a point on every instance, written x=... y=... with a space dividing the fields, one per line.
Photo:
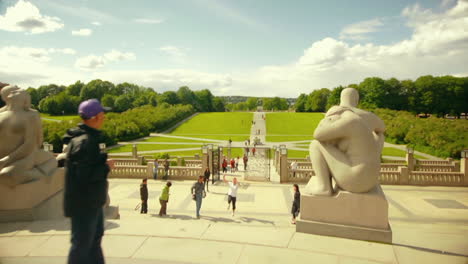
x=221 y=126
x=149 y=147
x=61 y=118
x=291 y=126
x=168 y=139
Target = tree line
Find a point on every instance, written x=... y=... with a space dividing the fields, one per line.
x=437 y=136
x=251 y=104
x=131 y=124
x=426 y=95
x=64 y=100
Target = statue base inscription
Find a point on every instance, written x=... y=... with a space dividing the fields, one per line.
x=362 y=216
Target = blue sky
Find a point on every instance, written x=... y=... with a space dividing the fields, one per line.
x=242 y=47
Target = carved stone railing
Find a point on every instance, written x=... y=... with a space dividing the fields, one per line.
x=141 y=172
x=390 y=177
x=193 y=163
x=300 y=175
x=126 y=162
x=389 y=166
x=433 y=162
x=130 y=172
x=436 y=178
x=436 y=168
x=399 y=177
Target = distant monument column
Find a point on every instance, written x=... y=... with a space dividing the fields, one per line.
x=344 y=198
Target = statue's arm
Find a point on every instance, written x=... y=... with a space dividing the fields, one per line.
x=333 y=127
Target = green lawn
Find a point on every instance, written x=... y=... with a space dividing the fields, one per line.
x=61 y=118
x=168 y=139
x=291 y=126
x=221 y=126
x=149 y=147
x=389 y=151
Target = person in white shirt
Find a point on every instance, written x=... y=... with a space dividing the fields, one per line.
x=232 y=193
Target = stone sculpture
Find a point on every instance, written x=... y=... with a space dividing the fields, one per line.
x=21 y=158
x=347 y=148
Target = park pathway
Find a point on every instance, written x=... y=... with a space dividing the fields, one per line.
x=258 y=164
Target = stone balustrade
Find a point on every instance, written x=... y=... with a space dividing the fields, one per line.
x=300 y=175
x=436 y=168
x=434 y=162
x=436 y=178
x=193 y=163
x=126 y=162
x=131 y=172
x=400 y=176
x=389 y=166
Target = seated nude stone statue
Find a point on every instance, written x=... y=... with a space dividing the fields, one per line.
x=347 y=148
x=21 y=158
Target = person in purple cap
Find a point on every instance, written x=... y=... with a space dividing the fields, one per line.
x=86 y=169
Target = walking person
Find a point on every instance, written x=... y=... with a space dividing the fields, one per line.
x=144 y=197
x=232 y=193
x=253 y=150
x=86 y=170
x=245 y=159
x=224 y=165
x=233 y=165
x=198 y=193
x=155 y=168
x=164 y=198
x=206 y=177
x=296 y=205
x=166 y=169
x=237 y=163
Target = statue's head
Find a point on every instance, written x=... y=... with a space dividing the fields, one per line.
x=349 y=97
x=13 y=95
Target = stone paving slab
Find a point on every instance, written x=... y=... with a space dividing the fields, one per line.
x=259 y=230
x=270 y=236
x=343 y=247
x=189 y=250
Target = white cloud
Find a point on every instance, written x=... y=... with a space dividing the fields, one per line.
x=92 y=61
x=178 y=55
x=26 y=66
x=169 y=79
x=96 y=23
x=148 y=21
x=84 y=32
x=26 y=17
x=359 y=31
x=438 y=45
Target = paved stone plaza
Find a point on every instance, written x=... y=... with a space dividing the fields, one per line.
x=430 y=225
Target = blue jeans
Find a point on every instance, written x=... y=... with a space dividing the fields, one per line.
x=87 y=231
x=198 y=201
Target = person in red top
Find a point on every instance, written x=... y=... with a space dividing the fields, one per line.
x=224 y=165
x=233 y=165
x=253 y=151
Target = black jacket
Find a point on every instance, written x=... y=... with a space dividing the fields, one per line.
x=85 y=170
x=297 y=200
x=143 y=192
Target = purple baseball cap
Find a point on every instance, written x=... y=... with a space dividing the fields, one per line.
x=91 y=108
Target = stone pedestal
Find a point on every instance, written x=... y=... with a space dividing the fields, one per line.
x=42 y=199
x=362 y=216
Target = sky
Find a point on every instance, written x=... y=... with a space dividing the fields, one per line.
x=232 y=47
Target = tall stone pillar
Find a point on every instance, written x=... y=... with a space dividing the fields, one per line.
x=410 y=159
x=134 y=151
x=284 y=168
x=464 y=166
